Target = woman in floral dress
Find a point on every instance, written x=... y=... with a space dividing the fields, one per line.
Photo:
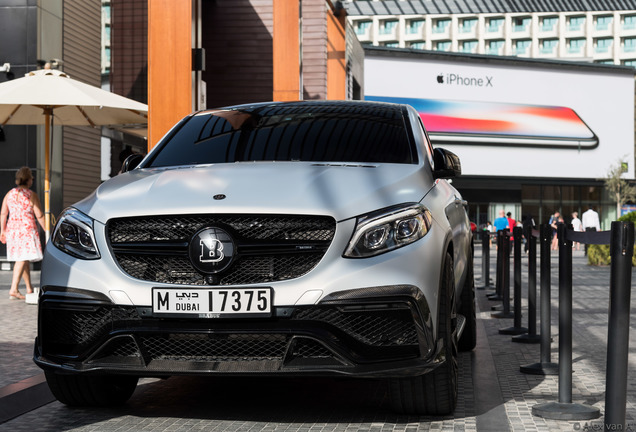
x=20 y=232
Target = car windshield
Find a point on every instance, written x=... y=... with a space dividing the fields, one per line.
x=305 y=131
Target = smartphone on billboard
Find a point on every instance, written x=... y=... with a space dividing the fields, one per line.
x=496 y=123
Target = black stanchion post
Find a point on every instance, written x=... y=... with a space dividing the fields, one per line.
x=565 y=317
x=587 y=245
x=497 y=295
x=485 y=260
x=505 y=277
x=531 y=336
x=546 y=294
x=564 y=409
x=545 y=365
x=516 y=329
x=621 y=252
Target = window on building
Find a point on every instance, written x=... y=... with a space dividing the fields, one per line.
x=362 y=27
x=107 y=32
x=631 y=63
x=576 y=23
x=418 y=45
x=494 y=25
x=391 y=44
x=629 y=22
x=522 y=47
x=521 y=24
x=548 y=46
x=442 y=46
x=388 y=26
x=495 y=47
x=441 y=25
x=107 y=54
x=467 y=25
x=414 y=26
x=603 y=45
x=603 y=22
x=575 y=46
x=469 y=46
x=548 y=24
x=629 y=45
x=604 y=61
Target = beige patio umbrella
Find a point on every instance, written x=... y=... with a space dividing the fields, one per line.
x=51 y=97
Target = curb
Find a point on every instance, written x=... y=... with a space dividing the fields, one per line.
x=24 y=396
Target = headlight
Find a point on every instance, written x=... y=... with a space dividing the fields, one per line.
x=74 y=235
x=388 y=229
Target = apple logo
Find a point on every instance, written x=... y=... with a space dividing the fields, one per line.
x=440 y=79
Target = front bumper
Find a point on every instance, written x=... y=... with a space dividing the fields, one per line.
x=375 y=332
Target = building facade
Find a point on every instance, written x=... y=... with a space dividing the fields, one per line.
x=241 y=51
x=541 y=30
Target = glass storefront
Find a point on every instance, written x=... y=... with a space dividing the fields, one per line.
x=540 y=201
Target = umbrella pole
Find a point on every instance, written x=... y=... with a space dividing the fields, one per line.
x=47 y=172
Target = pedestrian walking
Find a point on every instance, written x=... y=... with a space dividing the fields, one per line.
x=577 y=225
x=501 y=223
x=18 y=229
x=590 y=222
x=554 y=221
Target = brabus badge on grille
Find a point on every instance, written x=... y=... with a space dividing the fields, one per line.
x=211 y=250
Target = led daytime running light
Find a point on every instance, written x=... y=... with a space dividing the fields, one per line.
x=74 y=235
x=392 y=228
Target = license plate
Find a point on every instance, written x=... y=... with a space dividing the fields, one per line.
x=212 y=303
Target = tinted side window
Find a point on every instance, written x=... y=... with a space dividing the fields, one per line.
x=314 y=133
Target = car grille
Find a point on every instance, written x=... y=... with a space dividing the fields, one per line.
x=385 y=327
x=83 y=328
x=269 y=248
x=121 y=333
x=234 y=347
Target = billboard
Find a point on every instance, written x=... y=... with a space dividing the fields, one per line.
x=514 y=118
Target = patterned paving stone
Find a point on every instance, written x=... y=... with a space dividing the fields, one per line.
x=18 y=324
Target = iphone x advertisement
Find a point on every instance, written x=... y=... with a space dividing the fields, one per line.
x=491 y=123
x=514 y=117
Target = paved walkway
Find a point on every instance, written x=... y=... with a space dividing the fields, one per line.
x=18 y=324
x=494 y=394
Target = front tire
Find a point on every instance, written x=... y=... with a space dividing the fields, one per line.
x=434 y=393
x=93 y=390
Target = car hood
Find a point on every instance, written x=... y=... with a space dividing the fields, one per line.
x=339 y=190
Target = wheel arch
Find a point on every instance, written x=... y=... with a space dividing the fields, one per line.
x=448 y=249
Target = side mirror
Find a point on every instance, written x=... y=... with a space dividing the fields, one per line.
x=447 y=164
x=131 y=162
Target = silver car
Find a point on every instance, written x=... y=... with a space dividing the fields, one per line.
x=301 y=238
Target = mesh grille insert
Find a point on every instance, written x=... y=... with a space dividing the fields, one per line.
x=275 y=244
x=309 y=348
x=391 y=327
x=175 y=228
x=73 y=331
x=237 y=347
